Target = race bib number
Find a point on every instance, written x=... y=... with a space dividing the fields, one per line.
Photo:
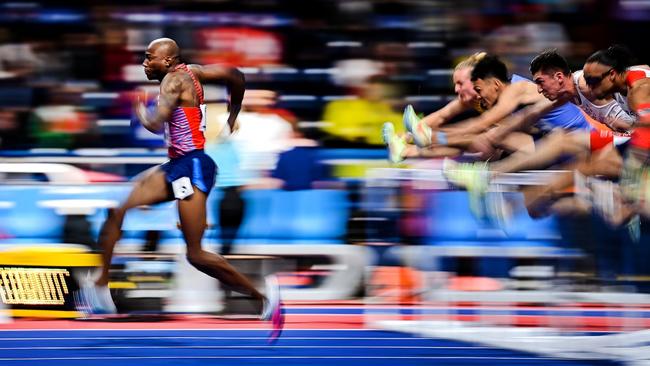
x=182 y=188
x=204 y=110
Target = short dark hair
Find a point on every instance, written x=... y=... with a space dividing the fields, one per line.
x=490 y=67
x=617 y=57
x=549 y=60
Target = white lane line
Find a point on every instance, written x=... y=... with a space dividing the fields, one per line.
x=237 y=346
x=274 y=357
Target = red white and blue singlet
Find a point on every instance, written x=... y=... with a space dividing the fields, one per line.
x=184 y=132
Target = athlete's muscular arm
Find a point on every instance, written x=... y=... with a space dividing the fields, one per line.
x=234 y=80
x=171 y=88
x=509 y=100
x=446 y=113
x=522 y=120
x=638 y=99
x=621 y=123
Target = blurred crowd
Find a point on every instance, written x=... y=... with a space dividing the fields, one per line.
x=337 y=69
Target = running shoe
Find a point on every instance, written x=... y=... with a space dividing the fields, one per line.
x=604 y=200
x=421 y=131
x=396 y=144
x=474 y=177
x=273 y=310
x=499 y=209
x=91 y=299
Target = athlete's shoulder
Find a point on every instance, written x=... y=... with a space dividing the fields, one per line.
x=173 y=78
x=196 y=69
x=579 y=81
x=583 y=94
x=175 y=75
x=637 y=74
x=521 y=86
x=525 y=91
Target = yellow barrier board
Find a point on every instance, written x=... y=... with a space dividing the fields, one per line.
x=49 y=257
x=36 y=281
x=33 y=286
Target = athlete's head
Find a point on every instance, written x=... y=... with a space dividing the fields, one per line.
x=161 y=55
x=462 y=78
x=551 y=74
x=490 y=77
x=604 y=71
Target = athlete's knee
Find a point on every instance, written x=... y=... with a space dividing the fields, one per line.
x=194 y=257
x=199 y=258
x=117 y=213
x=558 y=137
x=574 y=143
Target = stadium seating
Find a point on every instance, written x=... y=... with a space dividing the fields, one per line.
x=277 y=216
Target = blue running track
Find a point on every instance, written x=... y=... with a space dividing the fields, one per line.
x=249 y=347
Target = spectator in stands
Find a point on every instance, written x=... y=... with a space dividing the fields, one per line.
x=355 y=121
x=60 y=122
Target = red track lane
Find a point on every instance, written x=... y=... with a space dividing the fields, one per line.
x=311 y=321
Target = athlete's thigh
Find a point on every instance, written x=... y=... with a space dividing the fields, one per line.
x=518 y=141
x=607 y=162
x=192 y=214
x=581 y=139
x=149 y=187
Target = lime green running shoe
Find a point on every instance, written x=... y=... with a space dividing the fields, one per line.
x=420 y=131
x=474 y=177
x=499 y=209
x=396 y=144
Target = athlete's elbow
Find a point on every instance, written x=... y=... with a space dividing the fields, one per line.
x=154 y=127
x=237 y=76
x=159 y=127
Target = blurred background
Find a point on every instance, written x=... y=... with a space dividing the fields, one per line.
x=304 y=185
x=338 y=68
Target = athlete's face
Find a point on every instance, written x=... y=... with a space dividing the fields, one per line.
x=488 y=91
x=154 y=63
x=463 y=85
x=550 y=84
x=599 y=79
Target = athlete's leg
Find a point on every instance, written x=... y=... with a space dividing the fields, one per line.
x=192 y=214
x=518 y=142
x=570 y=207
x=538 y=199
x=149 y=187
x=606 y=162
x=454 y=143
x=491 y=146
x=551 y=148
x=438 y=152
